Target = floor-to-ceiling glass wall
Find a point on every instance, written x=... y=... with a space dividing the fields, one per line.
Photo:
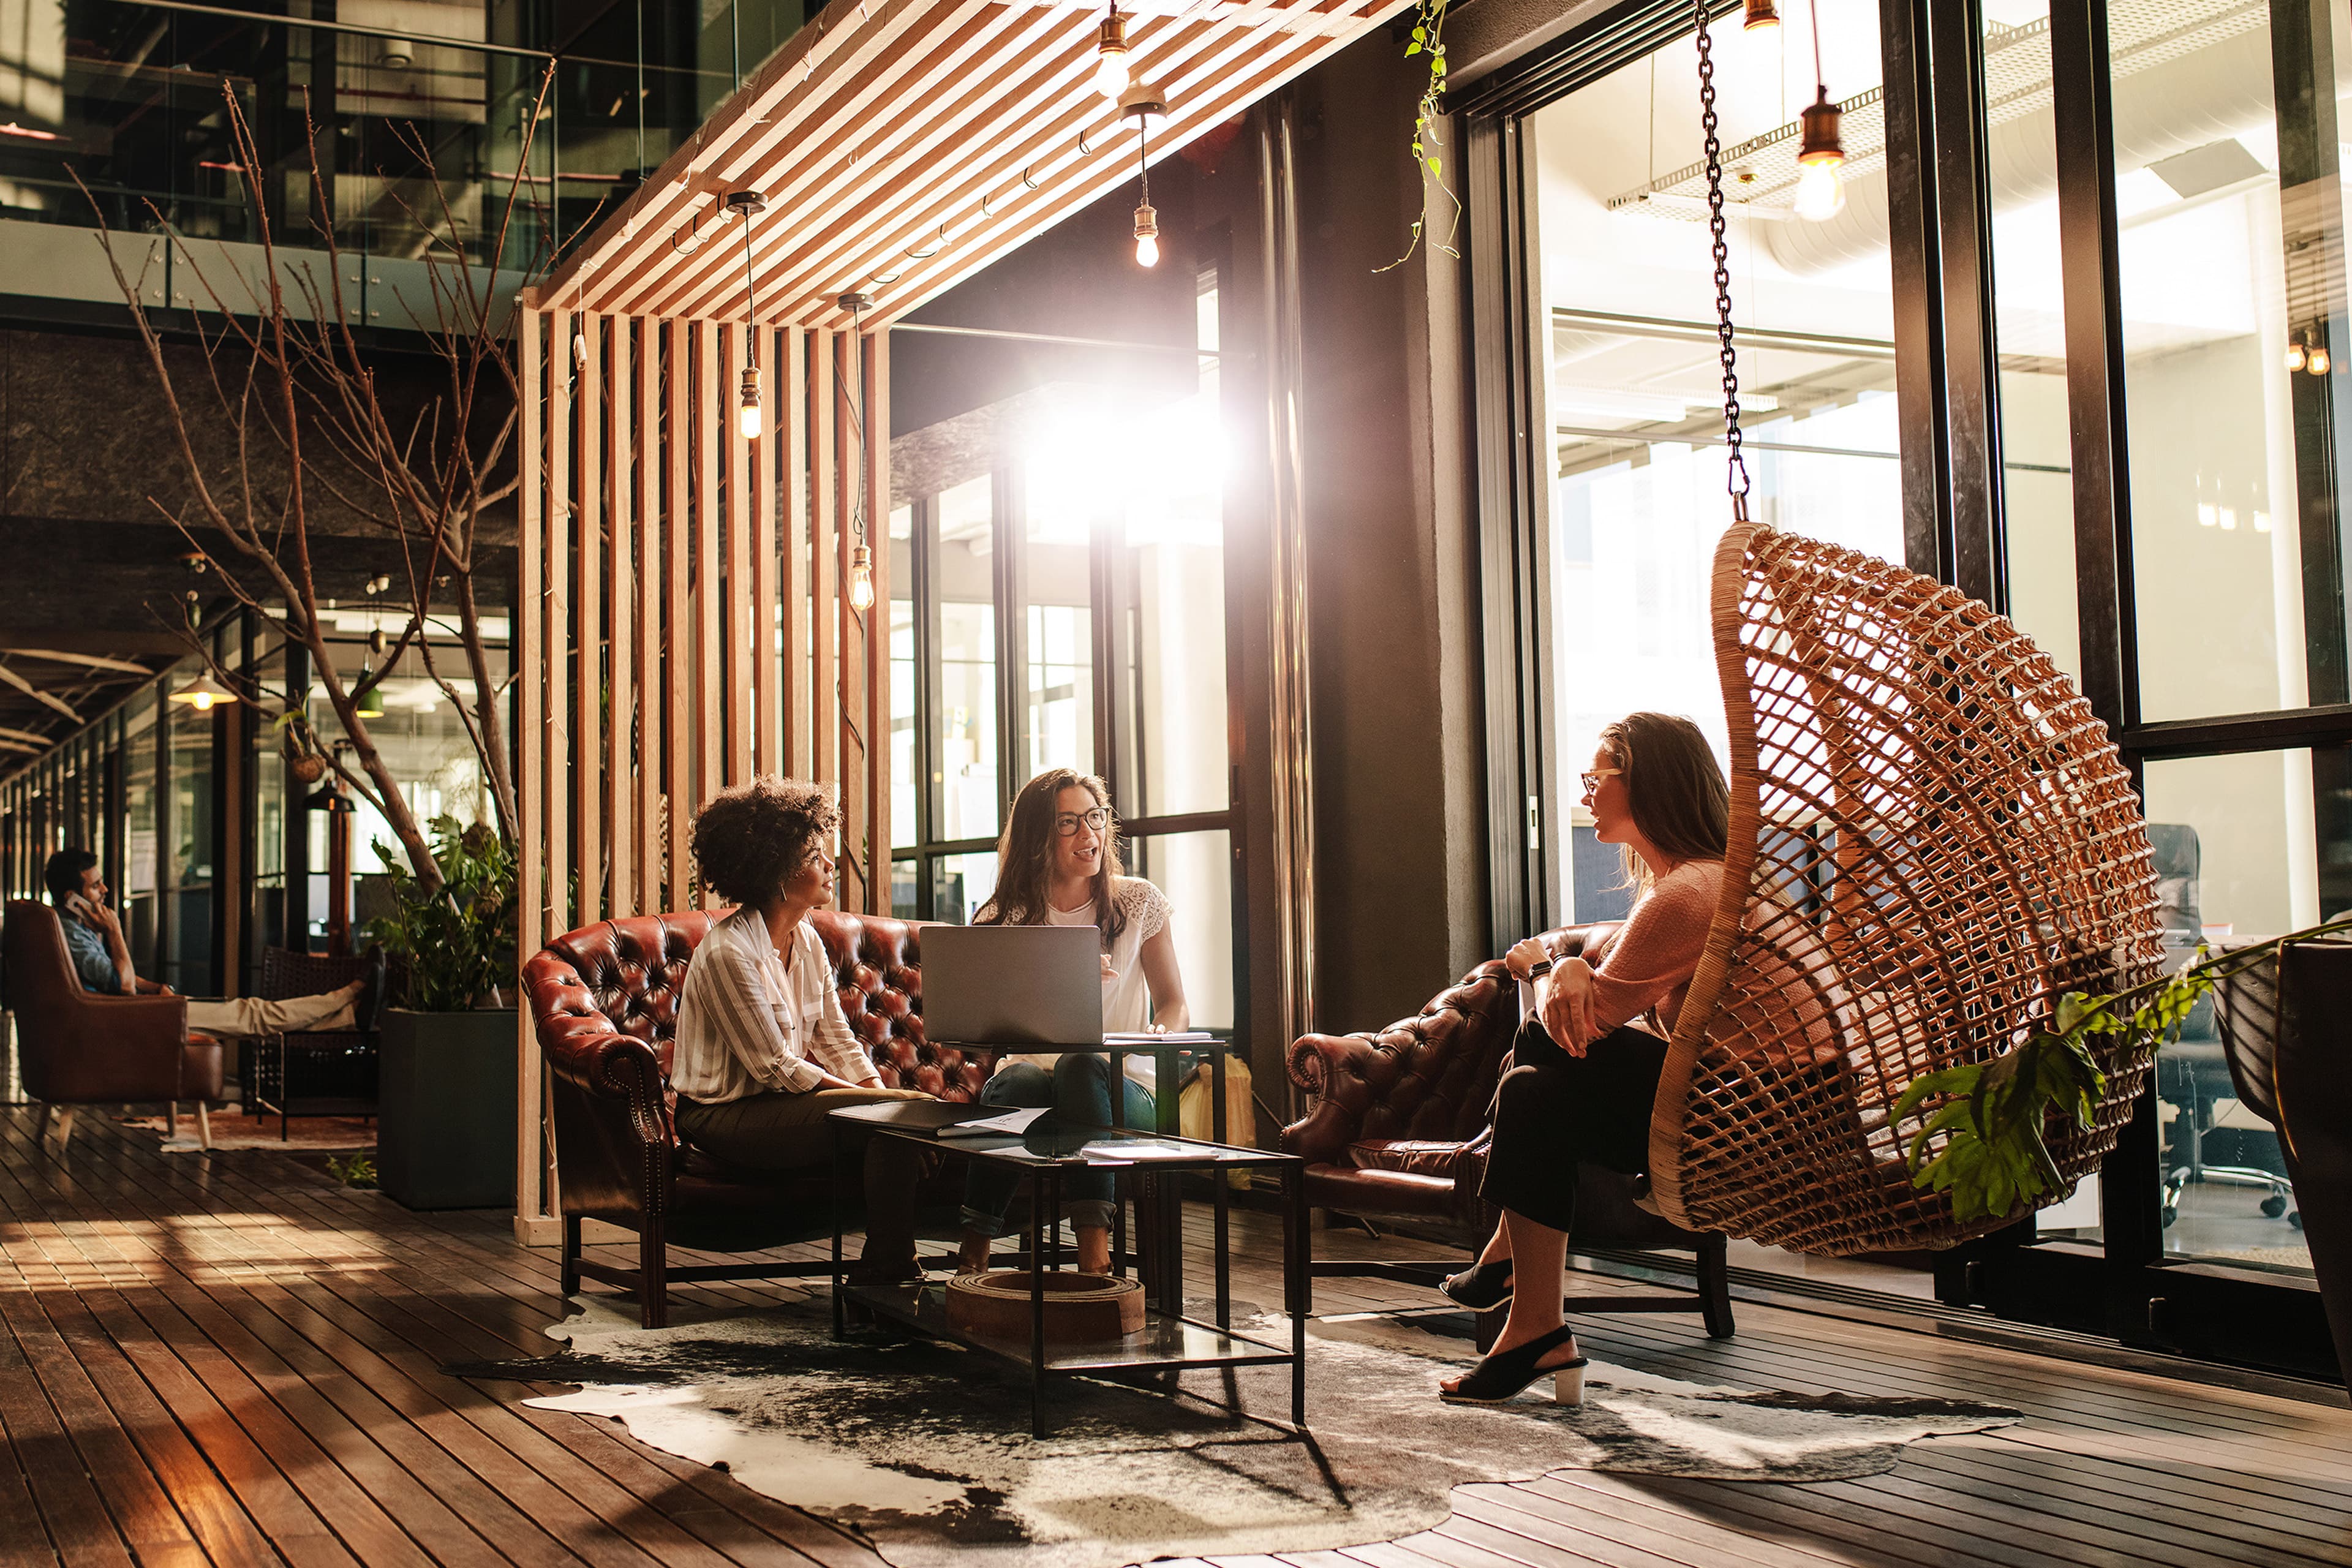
x=2222 y=619
x=1057 y=566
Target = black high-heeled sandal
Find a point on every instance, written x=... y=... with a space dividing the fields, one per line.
x=1506 y=1375
x=1482 y=1287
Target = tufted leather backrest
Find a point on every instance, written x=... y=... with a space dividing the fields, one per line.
x=625 y=977
x=1430 y=1077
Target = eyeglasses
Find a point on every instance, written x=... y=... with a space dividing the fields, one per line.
x=1066 y=823
x=1592 y=780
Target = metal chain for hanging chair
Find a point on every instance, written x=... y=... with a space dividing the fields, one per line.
x=1736 y=474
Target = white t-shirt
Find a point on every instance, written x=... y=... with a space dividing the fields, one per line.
x=1126 y=998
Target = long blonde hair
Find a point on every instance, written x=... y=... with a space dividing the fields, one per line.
x=1674 y=787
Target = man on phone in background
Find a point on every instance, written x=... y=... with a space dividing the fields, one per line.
x=101 y=958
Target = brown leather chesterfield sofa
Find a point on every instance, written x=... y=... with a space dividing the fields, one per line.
x=603 y=1000
x=79 y=1047
x=1395 y=1130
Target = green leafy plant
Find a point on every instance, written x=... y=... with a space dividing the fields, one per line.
x=1984 y=1142
x=358 y=1171
x=456 y=942
x=1428 y=157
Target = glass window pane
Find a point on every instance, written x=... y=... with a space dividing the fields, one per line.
x=138 y=894
x=964 y=764
x=2232 y=221
x=186 y=963
x=2028 y=330
x=1063 y=499
x=1169 y=573
x=1196 y=871
x=904 y=877
x=1632 y=373
x=960 y=884
x=2234 y=847
x=906 y=829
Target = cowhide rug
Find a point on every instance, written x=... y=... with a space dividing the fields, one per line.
x=923 y=1448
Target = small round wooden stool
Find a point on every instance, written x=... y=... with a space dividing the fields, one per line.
x=1078 y=1306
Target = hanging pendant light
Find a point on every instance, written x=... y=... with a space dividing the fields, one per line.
x=1142 y=104
x=2294 y=353
x=1821 y=156
x=1112 y=68
x=370 y=702
x=1761 y=15
x=204 y=693
x=2316 y=360
x=747 y=205
x=861 y=559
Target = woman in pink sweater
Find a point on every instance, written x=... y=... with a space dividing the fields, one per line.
x=1583 y=1072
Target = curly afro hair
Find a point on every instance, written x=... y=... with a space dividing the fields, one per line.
x=751 y=839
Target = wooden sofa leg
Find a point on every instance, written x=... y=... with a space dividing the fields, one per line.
x=653 y=1277
x=40 y=1122
x=1715 y=1285
x=572 y=1254
x=205 y=1126
x=65 y=1127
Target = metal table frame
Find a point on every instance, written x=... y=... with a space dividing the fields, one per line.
x=1045 y=1251
x=1166 y=1120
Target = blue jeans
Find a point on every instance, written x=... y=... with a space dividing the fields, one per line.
x=1078 y=1090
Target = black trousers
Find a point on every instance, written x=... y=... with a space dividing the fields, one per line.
x=1553 y=1109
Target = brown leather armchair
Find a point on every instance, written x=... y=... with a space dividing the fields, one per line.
x=79 y=1047
x=605 y=1002
x=1395 y=1129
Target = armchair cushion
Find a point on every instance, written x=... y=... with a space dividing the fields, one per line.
x=1397 y=1120
x=1418 y=1157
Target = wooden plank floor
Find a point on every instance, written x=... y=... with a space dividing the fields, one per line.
x=230 y=1360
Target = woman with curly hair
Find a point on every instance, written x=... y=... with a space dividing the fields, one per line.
x=1057 y=864
x=764 y=1051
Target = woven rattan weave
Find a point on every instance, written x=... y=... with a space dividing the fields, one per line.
x=1932 y=838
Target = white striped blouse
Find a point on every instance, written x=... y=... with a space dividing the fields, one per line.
x=746 y=1025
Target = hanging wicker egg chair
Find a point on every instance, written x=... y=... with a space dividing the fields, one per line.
x=1932 y=839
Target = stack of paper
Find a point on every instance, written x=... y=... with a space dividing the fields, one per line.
x=1012 y=1124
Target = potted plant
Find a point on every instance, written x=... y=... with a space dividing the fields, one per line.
x=445 y=1137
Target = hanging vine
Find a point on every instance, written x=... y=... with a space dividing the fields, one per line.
x=1428 y=160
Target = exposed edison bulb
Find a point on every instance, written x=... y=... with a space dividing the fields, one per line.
x=2294 y=355
x=1761 y=15
x=202 y=701
x=1821 y=157
x=1112 y=73
x=1821 y=190
x=2316 y=361
x=861 y=579
x=1147 y=236
x=747 y=410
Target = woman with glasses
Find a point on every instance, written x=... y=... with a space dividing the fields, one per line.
x=764 y=1051
x=1585 y=1066
x=1057 y=864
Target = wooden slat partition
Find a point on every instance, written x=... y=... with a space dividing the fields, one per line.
x=962 y=130
x=685 y=624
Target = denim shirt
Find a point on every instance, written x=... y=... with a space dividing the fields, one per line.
x=90 y=959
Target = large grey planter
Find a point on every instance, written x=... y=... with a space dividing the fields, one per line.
x=446 y=1132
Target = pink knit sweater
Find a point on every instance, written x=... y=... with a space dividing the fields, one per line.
x=1645 y=969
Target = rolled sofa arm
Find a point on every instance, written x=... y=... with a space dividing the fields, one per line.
x=1330 y=1069
x=612 y=1129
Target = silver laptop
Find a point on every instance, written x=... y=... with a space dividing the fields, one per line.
x=999 y=985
